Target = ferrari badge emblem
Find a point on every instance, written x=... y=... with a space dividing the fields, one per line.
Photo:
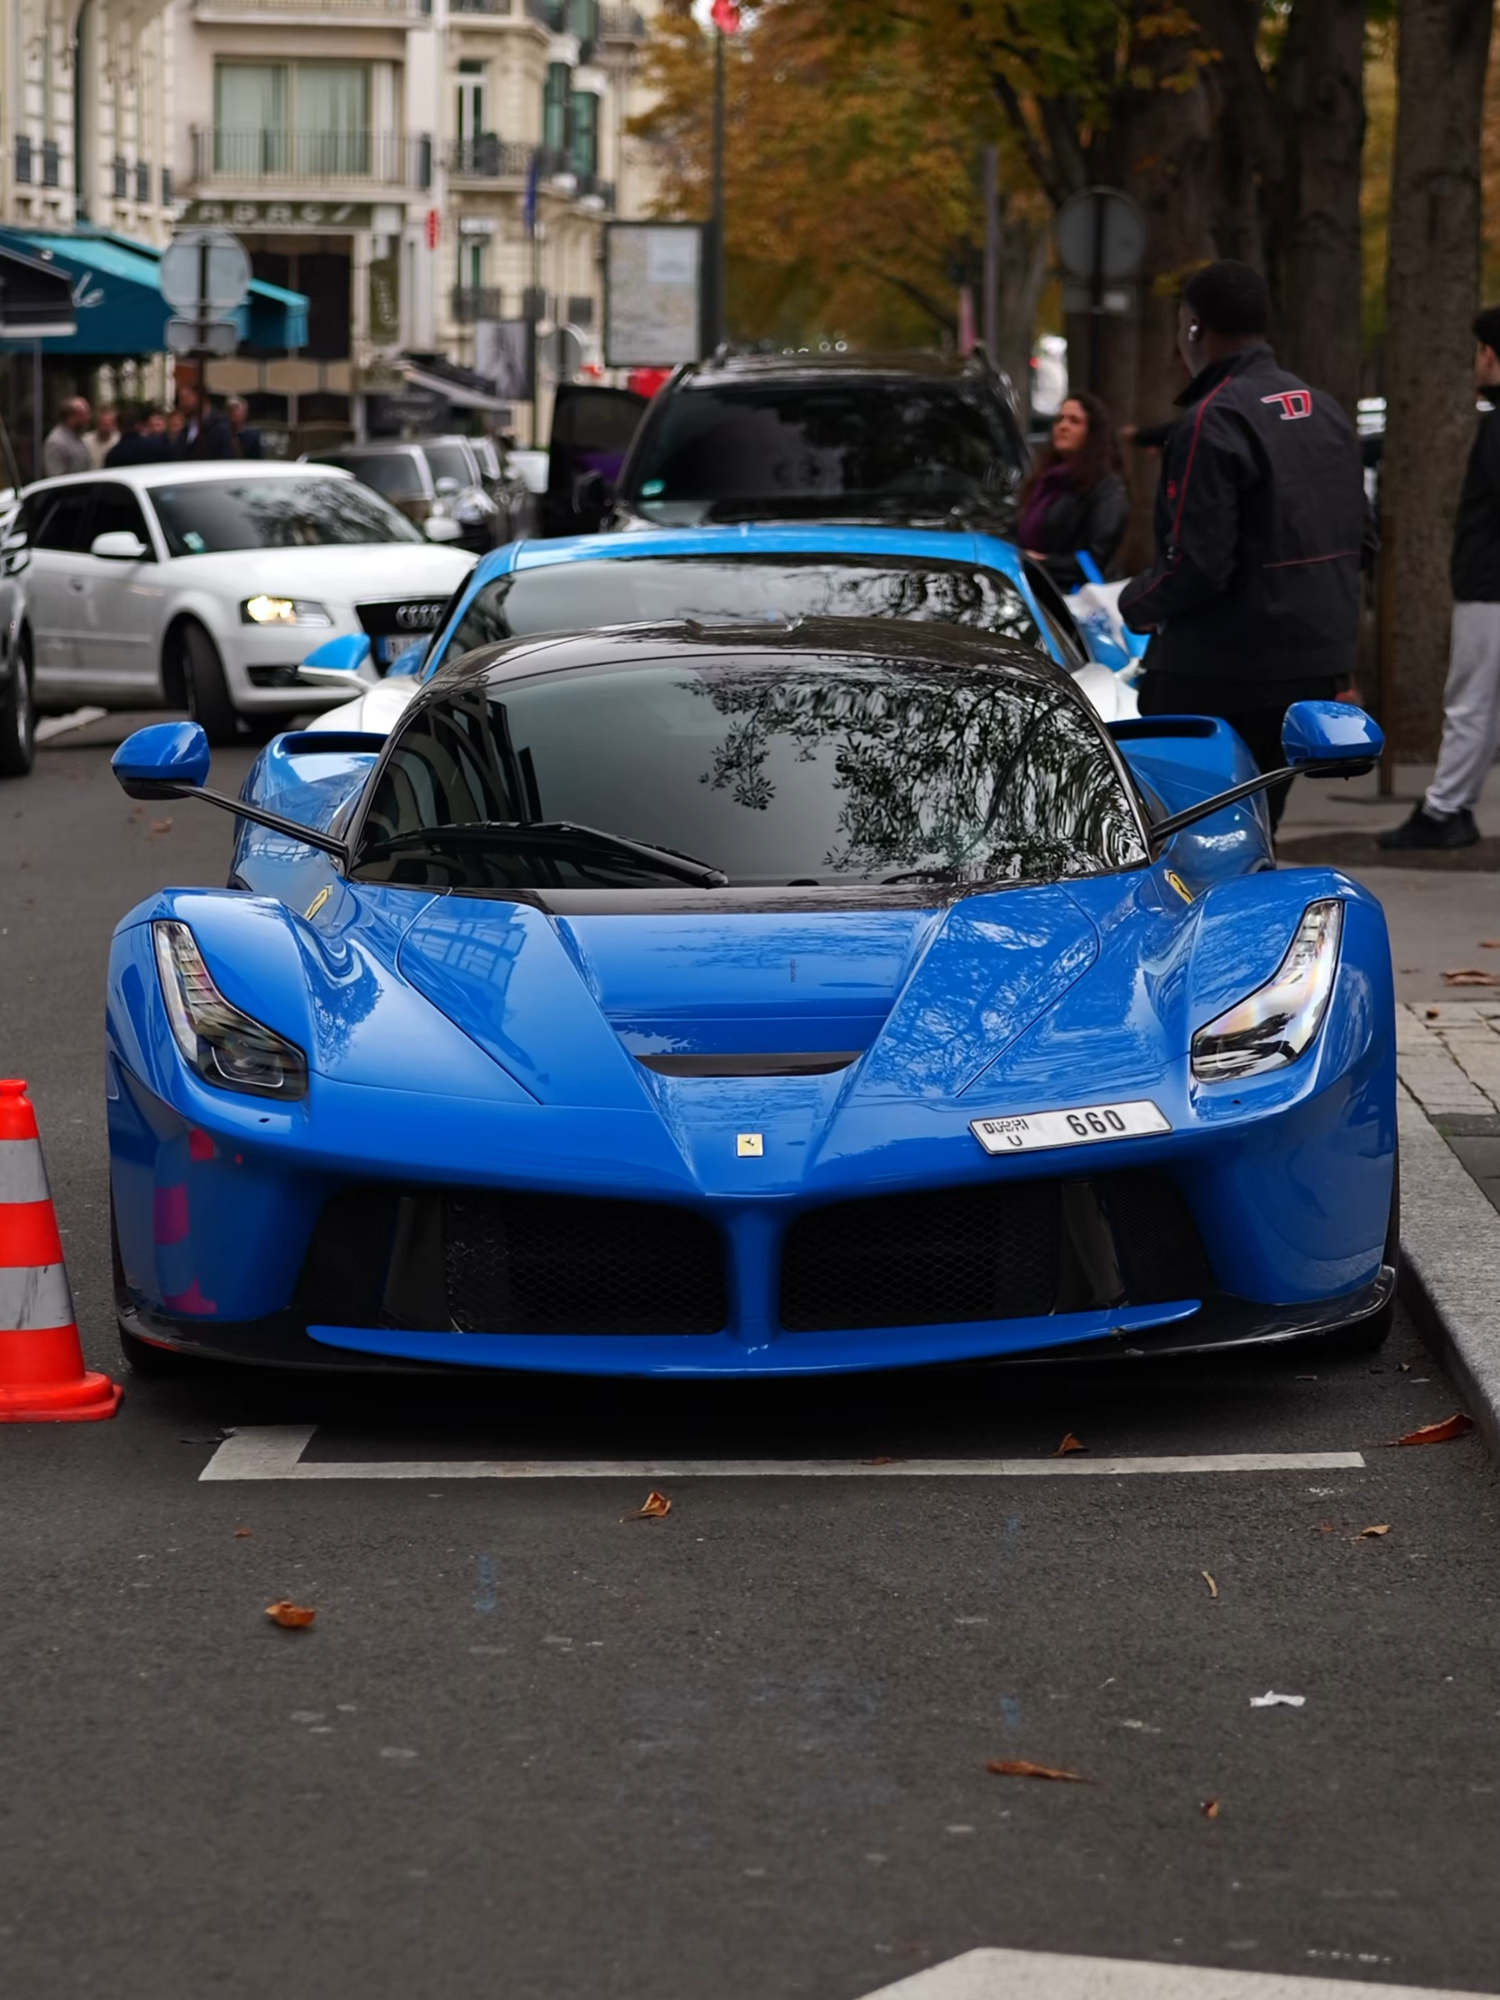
x=748 y=1146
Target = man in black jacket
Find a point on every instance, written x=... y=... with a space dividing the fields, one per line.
x=1471 y=699
x=1260 y=523
x=205 y=432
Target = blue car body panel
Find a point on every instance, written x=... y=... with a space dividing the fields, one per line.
x=461 y=1042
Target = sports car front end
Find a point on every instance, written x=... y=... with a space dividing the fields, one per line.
x=436 y=1116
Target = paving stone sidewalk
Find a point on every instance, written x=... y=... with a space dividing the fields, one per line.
x=1448 y=1056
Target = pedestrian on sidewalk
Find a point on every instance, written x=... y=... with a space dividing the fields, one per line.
x=1075 y=499
x=1260 y=517
x=105 y=435
x=1471 y=698
x=63 y=448
x=205 y=431
x=145 y=443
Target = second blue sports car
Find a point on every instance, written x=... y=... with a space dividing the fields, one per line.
x=783 y=999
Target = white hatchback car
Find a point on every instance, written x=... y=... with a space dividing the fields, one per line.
x=205 y=585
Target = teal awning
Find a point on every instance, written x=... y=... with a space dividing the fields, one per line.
x=117 y=303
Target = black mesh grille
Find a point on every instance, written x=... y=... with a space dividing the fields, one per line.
x=924 y=1259
x=1160 y=1249
x=344 y=1272
x=517 y=1263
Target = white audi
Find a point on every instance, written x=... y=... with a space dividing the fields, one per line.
x=205 y=586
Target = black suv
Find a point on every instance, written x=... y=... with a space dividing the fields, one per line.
x=907 y=439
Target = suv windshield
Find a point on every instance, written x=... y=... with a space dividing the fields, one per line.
x=448 y=461
x=738 y=590
x=211 y=516
x=799 y=771
x=891 y=448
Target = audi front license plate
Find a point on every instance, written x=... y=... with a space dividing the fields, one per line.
x=1084 y=1127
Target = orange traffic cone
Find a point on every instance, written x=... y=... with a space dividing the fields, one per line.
x=42 y=1377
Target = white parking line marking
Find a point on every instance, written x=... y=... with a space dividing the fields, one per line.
x=275 y=1452
x=1045 y=1975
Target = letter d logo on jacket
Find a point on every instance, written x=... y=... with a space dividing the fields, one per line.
x=1294 y=403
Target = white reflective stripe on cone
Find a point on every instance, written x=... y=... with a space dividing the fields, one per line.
x=34 y=1298
x=23 y=1173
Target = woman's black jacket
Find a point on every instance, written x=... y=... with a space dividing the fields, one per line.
x=1095 y=521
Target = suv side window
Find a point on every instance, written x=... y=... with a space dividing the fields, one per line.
x=62 y=522
x=117 y=510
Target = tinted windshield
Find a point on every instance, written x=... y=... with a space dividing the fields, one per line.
x=448 y=461
x=210 y=516
x=396 y=474
x=561 y=597
x=896 y=448
x=813 y=771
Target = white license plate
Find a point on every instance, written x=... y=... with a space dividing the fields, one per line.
x=1084 y=1127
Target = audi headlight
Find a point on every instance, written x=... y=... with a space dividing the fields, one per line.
x=1275 y=1023
x=223 y=1045
x=265 y=610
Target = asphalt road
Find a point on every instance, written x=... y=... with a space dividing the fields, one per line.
x=533 y=1750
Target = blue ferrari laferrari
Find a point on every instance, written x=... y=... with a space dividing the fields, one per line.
x=751 y=1000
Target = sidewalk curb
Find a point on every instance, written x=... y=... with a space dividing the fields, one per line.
x=1450 y=1265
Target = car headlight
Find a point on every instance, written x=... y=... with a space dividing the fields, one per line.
x=265 y=610
x=223 y=1045
x=1275 y=1023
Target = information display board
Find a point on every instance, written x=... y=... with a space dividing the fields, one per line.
x=653 y=293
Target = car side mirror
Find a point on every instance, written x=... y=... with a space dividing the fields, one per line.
x=119 y=545
x=15 y=554
x=336 y=661
x=447 y=486
x=1334 y=735
x=592 y=493
x=442 y=528
x=156 y=762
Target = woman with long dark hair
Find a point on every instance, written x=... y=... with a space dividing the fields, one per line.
x=1075 y=498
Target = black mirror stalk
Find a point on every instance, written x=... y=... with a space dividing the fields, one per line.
x=1342 y=767
x=310 y=836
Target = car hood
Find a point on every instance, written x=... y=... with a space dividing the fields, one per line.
x=345 y=574
x=600 y=1011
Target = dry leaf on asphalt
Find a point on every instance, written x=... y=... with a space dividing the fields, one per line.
x=656 y=1505
x=1069 y=1443
x=877 y=1461
x=1017 y=1767
x=241 y=1533
x=1210 y=1808
x=1433 y=1012
x=1383 y=1528
x=1213 y=1588
x=1489 y=944
x=1455 y=1426
x=161 y=826
x=292 y=1616
x=1469 y=975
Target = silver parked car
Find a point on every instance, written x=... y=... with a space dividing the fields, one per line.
x=426 y=479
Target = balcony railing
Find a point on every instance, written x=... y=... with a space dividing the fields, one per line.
x=490 y=159
x=311 y=159
x=471 y=302
x=621 y=24
x=337 y=10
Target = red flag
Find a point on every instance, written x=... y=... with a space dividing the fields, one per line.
x=725 y=15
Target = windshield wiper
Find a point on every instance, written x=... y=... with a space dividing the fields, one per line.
x=552 y=836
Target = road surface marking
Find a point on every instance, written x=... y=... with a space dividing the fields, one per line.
x=1045 y=1975
x=275 y=1451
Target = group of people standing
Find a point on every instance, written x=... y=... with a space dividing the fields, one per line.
x=147 y=434
x=1261 y=530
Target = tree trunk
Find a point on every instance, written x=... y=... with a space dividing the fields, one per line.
x=1432 y=283
x=1312 y=202
x=1024 y=244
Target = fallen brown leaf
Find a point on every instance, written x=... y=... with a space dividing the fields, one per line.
x=885 y=1460
x=1433 y=1012
x=1324 y=1528
x=1069 y=1443
x=1469 y=975
x=1404 y=1366
x=657 y=1504
x=1489 y=944
x=1384 y=1528
x=1017 y=1767
x=1210 y=1808
x=161 y=826
x=241 y=1533
x=1213 y=1588
x=292 y=1616
x=1455 y=1426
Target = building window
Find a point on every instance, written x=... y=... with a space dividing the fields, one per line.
x=470 y=102
x=555 y=109
x=23 y=157
x=51 y=164
x=166 y=187
x=303 y=120
x=143 y=180
x=119 y=176
x=583 y=132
